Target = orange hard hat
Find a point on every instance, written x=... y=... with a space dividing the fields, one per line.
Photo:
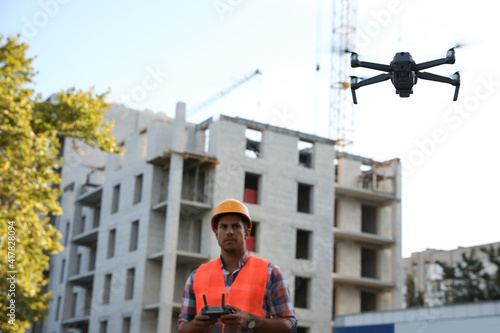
x=231 y=206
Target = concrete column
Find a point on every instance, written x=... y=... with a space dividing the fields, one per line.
x=397 y=248
x=172 y=220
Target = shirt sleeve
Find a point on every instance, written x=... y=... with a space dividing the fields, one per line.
x=278 y=301
x=188 y=305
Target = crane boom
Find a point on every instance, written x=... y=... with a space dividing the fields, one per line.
x=224 y=92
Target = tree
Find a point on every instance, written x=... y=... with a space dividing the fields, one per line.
x=467 y=281
x=29 y=174
x=492 y=281
x=413 y=297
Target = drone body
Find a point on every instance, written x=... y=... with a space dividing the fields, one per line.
x=403 y=73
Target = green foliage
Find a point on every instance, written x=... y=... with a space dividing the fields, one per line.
x=29 y=175
x=413 y=297
x=492 y=282
x=468 y=281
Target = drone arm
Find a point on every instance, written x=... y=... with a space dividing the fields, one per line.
x=376 y=79
x=371 y=65
x=372 y=80
x=434 y=63
x=450 y=59
x=455 y=81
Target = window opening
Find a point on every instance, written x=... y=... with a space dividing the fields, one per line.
x=302 y=290
x=253 y=143
x=303 y=246
x=251 y=193
x=103 y=327
x=134 y=236
x=97 y=217
x=368 y=301
x=58 y=308
x=126 y=325
x=116 y=199
x=78 y=263
x=111 y=243
x=305 y=153
x=82 y=224
x=369 y=219
x=74 y=304
x=119 y=158
x=63 y=268
x=304 y=198
x=107 y=289
x=369 y=263
x=142 y=144
x=92 y=258
x=129 y=288
x=138 y=189
x=251 y=242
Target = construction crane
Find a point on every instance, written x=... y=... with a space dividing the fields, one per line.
x=222 y=93
x=341 y=115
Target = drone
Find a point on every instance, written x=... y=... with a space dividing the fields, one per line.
x=404 y=72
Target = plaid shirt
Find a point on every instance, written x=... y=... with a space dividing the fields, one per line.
x=276 y=303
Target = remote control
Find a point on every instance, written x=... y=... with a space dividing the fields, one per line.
x=215 y=312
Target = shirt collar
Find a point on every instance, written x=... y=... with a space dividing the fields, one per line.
x=243 y=260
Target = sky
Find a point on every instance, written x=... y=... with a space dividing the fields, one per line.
x=152 y=54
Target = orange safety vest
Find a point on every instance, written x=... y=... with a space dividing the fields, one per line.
x=246 y=292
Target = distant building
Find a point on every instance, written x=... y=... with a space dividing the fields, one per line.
x=427 y=274
x=481 y=317
x=135 y=225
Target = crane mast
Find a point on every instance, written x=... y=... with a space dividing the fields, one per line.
x=341 y=115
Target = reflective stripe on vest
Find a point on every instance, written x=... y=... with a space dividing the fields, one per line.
x=246 y=292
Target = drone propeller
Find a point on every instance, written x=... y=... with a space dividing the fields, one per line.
x=460 y=45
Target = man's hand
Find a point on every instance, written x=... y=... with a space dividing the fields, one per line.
x=237 y=320
x=200 y=323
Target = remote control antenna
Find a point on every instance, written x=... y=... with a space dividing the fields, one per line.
x=205 y=300
x=222 y=299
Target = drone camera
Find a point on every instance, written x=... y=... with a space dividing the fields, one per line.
x=404 y=93
x=403 y=80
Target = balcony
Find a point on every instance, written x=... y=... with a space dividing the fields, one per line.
x=152 y=307
x=187 y=207
x=83 y=279
x=363 y=193
x=91 y=195
x=363 y=237
x=87 y=238
x=362 y=282
x=81 y=322
x=190 y=159
x=183 y=257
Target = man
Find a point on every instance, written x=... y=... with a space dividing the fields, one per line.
x=255 y=289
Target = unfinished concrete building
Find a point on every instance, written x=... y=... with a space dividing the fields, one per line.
x=367 y=228
x=428 y=275
x=135 y=225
